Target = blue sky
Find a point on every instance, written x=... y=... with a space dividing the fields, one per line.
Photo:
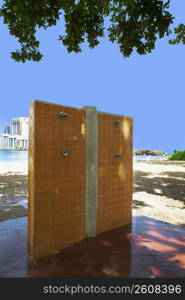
x=148 y=88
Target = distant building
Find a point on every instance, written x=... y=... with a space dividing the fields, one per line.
x=20 y=127
x=7 y=129
x=19 y=137
x=4 y=141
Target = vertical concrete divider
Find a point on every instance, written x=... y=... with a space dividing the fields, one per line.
x=91 y=188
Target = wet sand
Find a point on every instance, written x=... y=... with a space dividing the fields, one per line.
x=159 y=191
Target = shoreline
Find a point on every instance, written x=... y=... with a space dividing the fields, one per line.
x=13 y=150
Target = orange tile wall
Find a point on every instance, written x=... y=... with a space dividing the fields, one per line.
x=56 y=183
x=115 y=174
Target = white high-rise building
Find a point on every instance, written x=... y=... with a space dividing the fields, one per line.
x=20 y=127
x=19 y=137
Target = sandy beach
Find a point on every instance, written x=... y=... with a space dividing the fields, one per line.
x=13 y=195
x=159 y=191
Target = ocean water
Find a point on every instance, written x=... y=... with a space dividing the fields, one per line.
x=13 y=161
x=17 y=161
x=13 y=156
x=148 y=157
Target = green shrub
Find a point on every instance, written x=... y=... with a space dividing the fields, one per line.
x=179 y=155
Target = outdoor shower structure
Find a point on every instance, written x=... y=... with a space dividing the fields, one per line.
x=80 y=175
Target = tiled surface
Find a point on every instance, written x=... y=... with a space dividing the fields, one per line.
x=115 y=174
x=13 y=248
x=56 y=183
x=158 y=248
x=136 y=251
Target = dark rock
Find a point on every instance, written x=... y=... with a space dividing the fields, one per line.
x=148 y=152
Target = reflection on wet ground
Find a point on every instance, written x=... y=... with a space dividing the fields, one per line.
x=148 y=248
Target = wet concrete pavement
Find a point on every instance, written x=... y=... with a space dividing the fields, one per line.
x=148 y=248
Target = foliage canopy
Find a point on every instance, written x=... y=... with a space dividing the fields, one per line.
x=133 y=24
